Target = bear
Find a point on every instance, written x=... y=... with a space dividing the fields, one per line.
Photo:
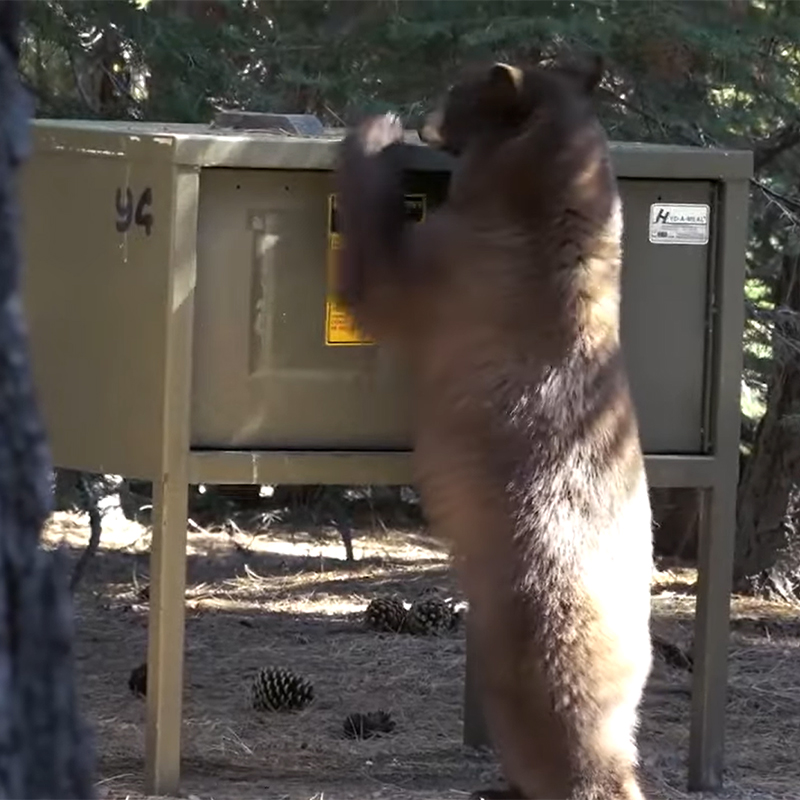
x=504 y=306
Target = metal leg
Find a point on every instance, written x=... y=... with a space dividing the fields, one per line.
x=709 y=690
x=170 y=507
x=165 y=637
x=475 y=731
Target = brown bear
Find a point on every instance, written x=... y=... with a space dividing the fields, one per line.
x=505 y=304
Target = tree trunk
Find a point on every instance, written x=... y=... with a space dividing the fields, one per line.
x=44 y=750
x=767 y=558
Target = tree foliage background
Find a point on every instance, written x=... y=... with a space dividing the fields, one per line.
x=703 y=72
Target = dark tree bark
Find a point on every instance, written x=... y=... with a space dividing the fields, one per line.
x=768 y=543
x=44 y=747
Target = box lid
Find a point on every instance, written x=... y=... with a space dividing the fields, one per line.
x=207 y=146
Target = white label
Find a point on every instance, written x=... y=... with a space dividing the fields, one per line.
x=679 y=223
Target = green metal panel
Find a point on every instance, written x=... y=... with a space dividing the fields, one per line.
x=263 y=374
x=379 y=467
x=97 y=299
x=264 y=377
x=665 y=316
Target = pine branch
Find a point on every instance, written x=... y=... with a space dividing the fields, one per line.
x=766 y=151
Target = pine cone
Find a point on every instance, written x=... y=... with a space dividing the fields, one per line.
x=277 y=689
x=428 y=616
x=365 y=726
x=385 y=614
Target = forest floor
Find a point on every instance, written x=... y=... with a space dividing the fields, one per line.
x=286 y=598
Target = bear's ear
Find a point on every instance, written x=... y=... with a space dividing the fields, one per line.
x=504 y=85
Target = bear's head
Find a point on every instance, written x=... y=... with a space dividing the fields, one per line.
x=496 y=102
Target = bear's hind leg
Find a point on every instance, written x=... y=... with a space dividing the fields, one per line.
x=563 y=724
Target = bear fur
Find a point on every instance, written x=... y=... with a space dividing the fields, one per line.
x=505 y=305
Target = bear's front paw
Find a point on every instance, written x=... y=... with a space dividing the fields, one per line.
x=377 y=133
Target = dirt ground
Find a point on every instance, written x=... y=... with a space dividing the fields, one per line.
x=286 y=599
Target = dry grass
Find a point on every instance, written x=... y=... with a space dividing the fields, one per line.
x=291 y=600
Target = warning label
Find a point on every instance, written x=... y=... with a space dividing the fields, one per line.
x=679 y=223
x=340 y=328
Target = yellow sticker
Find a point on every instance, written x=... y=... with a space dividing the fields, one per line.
x=340 y=328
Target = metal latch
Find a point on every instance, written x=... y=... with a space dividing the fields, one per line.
x=297 y=124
